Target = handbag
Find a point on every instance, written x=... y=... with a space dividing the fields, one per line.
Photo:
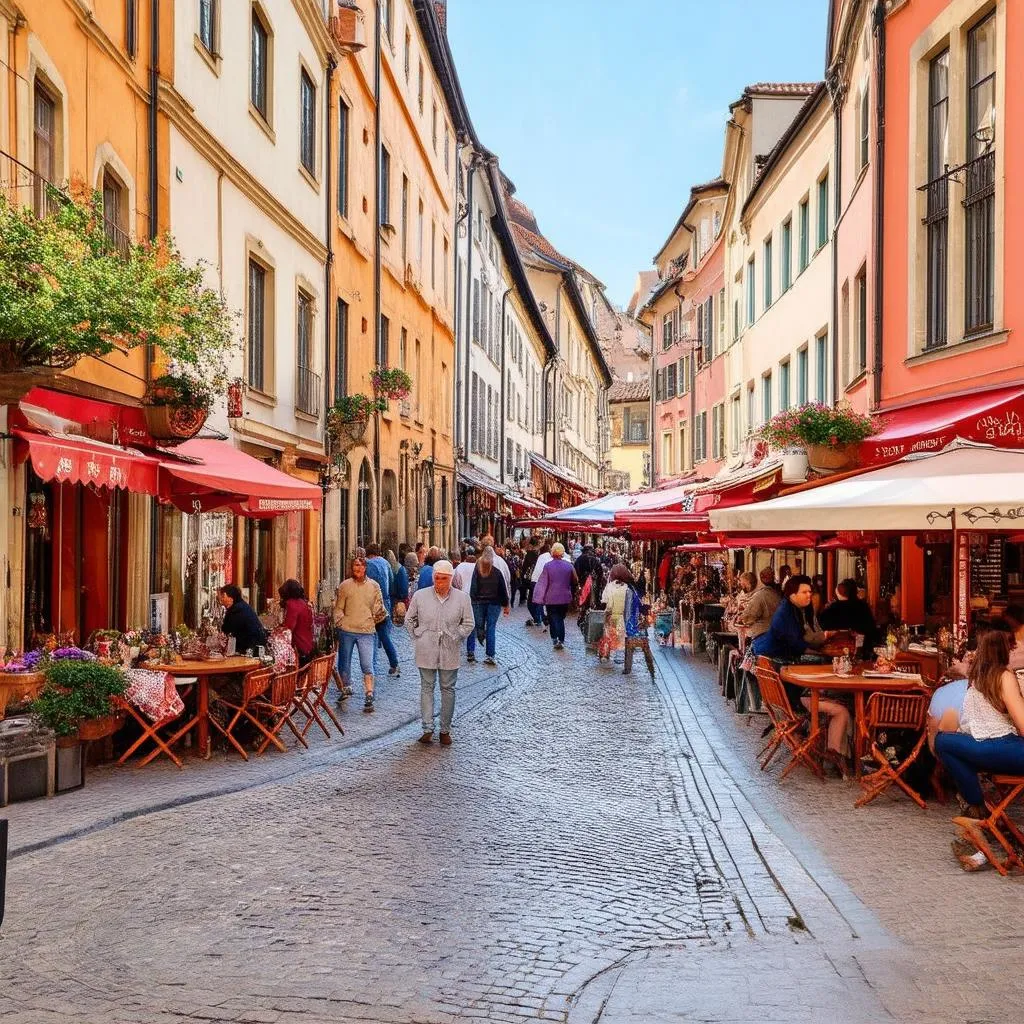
x=381 y=616
x=398 y=615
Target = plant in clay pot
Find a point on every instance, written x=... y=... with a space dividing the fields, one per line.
x=78 y=693
x=176 y=406
x=391 y=383
x=829 y=434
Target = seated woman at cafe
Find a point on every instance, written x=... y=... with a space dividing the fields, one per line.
x=241 y=620
x=791 y=638
x=297 y=616
x=849 y=612
x=989 y=738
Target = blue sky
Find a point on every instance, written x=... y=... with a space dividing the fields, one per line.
x=604 y=112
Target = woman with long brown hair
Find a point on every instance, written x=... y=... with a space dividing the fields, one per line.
x=991 y=725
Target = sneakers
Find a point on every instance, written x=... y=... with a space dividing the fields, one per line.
x=396 y=671
x=368 y=704
x=489 y=661
x=471 y=659
x=427 y=738
x=446 y=739
x=530 y=623
x=559 y=645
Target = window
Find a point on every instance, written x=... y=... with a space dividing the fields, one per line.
x=659 y=385
x=864 y=127
x=447 y=149
x=683 y=375
x=805 y=235
x=416 y=378
x=131 y=28
x=259 y=71
x=735 y=426
x=821 y=366
x=980 y=186
x=408 y=54
x=667 y=326
x=718 y=432
x=307 y=122
x=937 y=216
x=343 y=114
x=405 y=221
x=685 y=455
x=387 y=17
x=419 y=236
x=706 y=310
x=861 y=296
x=307 y=392
x=341 y=350
x=801 y=377
x=784 y=386
x=666 y=454
x=383 y=338
x=822 y=212
x=403 y=343
x=433 y=254
x=766 y=398
x=671 y=380
x=419 y=88
x=508 y=455
x=256 y=335
x=445 y=266
x=786 y=255
x=721 y=320
x=44 y=142
x=115 y=210
x=767 y=273
x=433 y=127
x=208 y=25
x=751 y=292
x=700 y=437
x=751 y=415
x=385 y=187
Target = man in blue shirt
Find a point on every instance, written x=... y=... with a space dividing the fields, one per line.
x=427 y=571
x=785 y=639
x=379 y=570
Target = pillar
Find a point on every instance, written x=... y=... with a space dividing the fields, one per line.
x=911 y=581
x=874 y=581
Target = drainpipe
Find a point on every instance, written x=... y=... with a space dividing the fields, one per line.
x=466 y=373
x=378 y=159
x=879 y=30
x=332 y=65
x=836 y=91
x=154 y=193
x=501 y=389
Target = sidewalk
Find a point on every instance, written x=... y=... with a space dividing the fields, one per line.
x=114 y=793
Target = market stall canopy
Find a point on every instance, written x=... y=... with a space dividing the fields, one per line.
x=993 y=417
x=470 y=476
x=600 y=511
x=968 y=486
x=559 y=480
x=223 y=476
x=657 y=525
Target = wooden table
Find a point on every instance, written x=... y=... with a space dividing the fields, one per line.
x=204 y=671
x=819 y=678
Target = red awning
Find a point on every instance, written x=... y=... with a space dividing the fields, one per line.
x=994 y=417
x=224 y=477
x=771 y=541
x=77 y=460
x=657 y=525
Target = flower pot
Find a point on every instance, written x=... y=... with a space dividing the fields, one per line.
x=794 y=466
x=827 y=458
x=354 y=429
x=18 y=686
x=173 y=424
x=16 y=384
x=100 y=728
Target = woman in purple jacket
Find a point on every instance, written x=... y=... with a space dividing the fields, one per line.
x=556 y=590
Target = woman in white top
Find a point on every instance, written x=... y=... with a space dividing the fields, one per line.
x=991 y=725
x=614 y=601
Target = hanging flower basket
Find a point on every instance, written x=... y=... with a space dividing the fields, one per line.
x=391 y=383
x=349 y=417
x=824 y=458
x=176 y=407
x=830 y=435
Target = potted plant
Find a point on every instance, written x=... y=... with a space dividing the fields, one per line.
x=77 y=699
x=391 y=383
x=350 y=414
x=176 y=407
x=21 y=678
x=828 y=434
x=67 y=293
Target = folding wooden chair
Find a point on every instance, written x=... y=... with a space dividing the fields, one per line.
x=1009 y=789
x=254 y=685
x=892 y=711
x=311 y=696
x=787 y=725
x=150 y=733
x=274 y=709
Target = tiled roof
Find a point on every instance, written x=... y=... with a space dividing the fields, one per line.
x=630 y=390
x=781 y=88
x=528 y=236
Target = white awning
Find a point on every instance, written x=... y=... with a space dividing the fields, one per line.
x=983 y=486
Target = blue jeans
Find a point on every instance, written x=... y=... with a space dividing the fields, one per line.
x=365 y=642
x=965 y=756
x=556 y=621
x=536 y=610
x=384 y=636
x=428 y=679
x=486 y=617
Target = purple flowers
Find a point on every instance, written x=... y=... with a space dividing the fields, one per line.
x=27 y=662
x=71 y=654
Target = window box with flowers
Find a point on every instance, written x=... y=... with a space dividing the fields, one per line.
x=391 y=383
x=348 y=418
x=176 y=407
x=829 y=435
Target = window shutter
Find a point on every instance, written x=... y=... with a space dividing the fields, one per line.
x=476 y=312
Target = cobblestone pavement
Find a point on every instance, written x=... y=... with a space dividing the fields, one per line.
x=587 y=843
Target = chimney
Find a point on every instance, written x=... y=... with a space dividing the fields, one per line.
x=441 y=7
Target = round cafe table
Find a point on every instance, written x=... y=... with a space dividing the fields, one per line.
x=820 y=678
x=203 y=672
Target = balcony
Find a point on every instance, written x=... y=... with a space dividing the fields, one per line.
x=308 y=391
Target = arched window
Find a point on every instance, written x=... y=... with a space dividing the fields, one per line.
x=363 y=498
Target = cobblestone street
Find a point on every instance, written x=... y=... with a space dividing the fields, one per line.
x=591 y=848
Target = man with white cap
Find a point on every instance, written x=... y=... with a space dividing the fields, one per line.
x=439 y=619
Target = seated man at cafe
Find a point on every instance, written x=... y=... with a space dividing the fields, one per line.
x=788 y=640
x=849 y=612
x=241 y=620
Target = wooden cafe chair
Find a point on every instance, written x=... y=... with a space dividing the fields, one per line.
x=884 y=712
x=311 y=695
x=254 y=685
x=274 y=709
x=999 y=826
x=787 y=726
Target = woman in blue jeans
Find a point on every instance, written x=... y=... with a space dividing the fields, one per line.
x=489 y=594
x=990 y=738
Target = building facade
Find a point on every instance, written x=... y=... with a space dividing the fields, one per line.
x=629 y=404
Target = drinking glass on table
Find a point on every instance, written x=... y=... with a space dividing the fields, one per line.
x=841 y=665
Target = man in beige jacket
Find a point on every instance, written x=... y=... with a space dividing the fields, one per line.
x=358 y=608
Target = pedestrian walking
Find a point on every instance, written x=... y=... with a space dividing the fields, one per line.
x=489 y=592
x=487 y=541
x=535 y=607
x=378 y=569
x=463 y=580
x=526 y=583
x=358 y=607
x=297 y=617
x=556 y=590
x=426 y=576
x=439 y=619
